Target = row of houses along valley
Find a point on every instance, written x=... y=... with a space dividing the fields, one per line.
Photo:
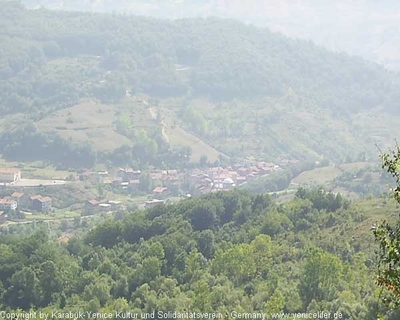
x=20 y=200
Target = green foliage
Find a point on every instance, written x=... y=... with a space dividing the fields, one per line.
x=322 y=277
x=365 y=181
x=103 y=57
x=275 y=223
x=387 y=235
x=279 y=180
x=28 y=144
x=148 y=149
x=323 y=200
x=166 y=259
x=111 y=63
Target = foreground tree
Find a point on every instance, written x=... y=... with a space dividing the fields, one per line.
x=387 y=235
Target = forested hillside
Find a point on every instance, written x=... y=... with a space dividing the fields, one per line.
x=54 y=58
x=241 y=89
x=360 y=27
x=222 y=252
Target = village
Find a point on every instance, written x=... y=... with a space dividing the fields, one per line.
x=176 y=183
x=158 y=185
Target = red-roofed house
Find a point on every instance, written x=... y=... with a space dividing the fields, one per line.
x=107 y=181
x=8 y=204
x=170 y=181
x=42 y=204
x=159 y=192
x=87 y=176
x=17 y=195
x=33 y=198
x=21 y=198
x=91 y=206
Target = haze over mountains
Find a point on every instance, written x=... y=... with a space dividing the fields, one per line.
x=362 y=27
x=240 y=89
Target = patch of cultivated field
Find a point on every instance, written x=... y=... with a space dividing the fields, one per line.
x=318 y=176
x=179 y=137
x=86 y=122
x=325 y=175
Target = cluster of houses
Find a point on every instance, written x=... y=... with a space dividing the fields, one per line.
x=128 y=177
x=19 y=200
x=200 y=180
x=25 y=202
x=213 y=179
x=125 y=177
x=218 y=178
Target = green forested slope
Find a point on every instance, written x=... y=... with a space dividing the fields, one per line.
x=269 y=95
x=222 y=252
x=362 y=27
x=228 y=60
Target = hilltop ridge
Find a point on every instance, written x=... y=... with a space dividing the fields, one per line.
x=362 y=27
x=240 y=89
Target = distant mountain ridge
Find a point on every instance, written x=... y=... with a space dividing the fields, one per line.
x=362 y=27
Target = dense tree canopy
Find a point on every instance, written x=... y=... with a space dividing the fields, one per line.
x=51 y=59
x=209 y=254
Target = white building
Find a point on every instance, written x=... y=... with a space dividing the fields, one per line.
x=228 y=184
x=9 y=175
x=8 y=204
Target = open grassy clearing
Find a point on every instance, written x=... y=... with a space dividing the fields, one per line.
x=94 y=123
x=325 y=176
x=85 y=122
x=59 y=215
x=179 y=137
x=317 y=177
x=268 y=131
x=378 y=210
